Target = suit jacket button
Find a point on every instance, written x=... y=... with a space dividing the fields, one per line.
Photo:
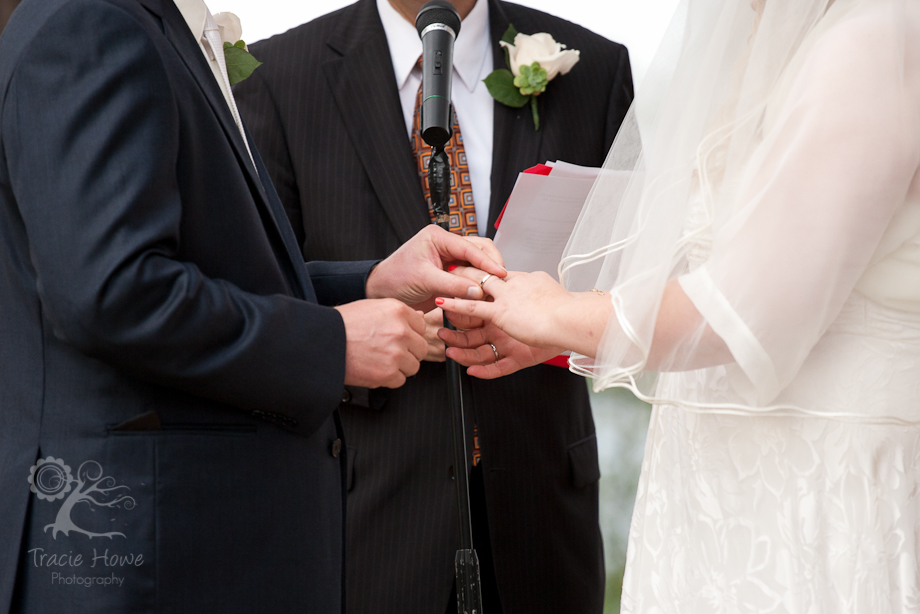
x=346 y=396
x=336 y=448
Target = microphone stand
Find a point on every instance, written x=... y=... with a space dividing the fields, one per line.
x=466 y=562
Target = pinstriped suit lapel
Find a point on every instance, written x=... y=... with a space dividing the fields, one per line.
x=363 y=85
x=515 y=145
x=362 y=82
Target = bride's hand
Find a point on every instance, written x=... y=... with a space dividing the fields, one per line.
x=536 y=311
x=490 y=353
x=524 y=305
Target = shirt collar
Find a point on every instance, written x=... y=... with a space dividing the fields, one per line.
x=470 y=49
x=195 y=13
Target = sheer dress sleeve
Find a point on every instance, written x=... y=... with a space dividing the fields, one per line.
x=838 y=160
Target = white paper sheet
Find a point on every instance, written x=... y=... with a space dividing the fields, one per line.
x=573 y=171
x=540 y=216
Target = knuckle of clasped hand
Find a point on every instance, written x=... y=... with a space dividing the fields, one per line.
x=429 y=231
x=393 y=307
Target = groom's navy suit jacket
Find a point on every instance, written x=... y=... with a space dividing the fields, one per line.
x=168 y=382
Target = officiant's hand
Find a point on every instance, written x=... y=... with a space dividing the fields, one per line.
x=415 y=273
x=384 y=342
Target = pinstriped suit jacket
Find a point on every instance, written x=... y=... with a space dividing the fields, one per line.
x=325 y=113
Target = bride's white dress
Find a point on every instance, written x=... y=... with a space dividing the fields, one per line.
x=789 y=514
x=816 y=509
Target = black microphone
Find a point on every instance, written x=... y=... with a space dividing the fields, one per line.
x=438 y=25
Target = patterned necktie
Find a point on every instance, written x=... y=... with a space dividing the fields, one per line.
x=462 y=209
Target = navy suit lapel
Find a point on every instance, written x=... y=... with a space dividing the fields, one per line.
x=154 y=6
x=515 y=144
x=178 y=34
x=363 y=85
x=302 y=278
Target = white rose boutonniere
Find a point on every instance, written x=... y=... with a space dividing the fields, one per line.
x=240 y=63
x=534 y=61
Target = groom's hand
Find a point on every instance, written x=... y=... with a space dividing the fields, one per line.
x=384 y=342
x=415 y=273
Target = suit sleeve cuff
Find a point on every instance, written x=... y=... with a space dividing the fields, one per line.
x=337 y=283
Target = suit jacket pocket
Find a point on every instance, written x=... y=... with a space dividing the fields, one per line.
x=148 y=421
x=585 y=468
x=148 y=424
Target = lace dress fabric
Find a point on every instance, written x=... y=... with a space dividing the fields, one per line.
x=786 y=514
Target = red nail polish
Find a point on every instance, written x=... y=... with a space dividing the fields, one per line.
x=452 y=267
x=439 y=301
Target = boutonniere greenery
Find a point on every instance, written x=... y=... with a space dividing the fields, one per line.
x=533 y=61
x=240 y=63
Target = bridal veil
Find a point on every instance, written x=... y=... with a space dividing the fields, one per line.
x=766 y=165
x=769 y=167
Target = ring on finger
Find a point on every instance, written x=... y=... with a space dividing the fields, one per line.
x=494 y=351
x=484 y=280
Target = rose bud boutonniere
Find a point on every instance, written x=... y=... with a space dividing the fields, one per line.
x=240 y=63
x=534 y=61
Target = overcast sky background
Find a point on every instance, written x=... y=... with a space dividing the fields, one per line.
x=638 y=24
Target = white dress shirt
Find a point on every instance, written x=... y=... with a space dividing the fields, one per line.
x=471 y=98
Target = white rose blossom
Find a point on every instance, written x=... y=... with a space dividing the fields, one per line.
x=534 y=60
x=231 y=30
x=553 y=57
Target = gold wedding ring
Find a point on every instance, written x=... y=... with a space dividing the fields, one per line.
x=494 y=351
x=484 y=280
